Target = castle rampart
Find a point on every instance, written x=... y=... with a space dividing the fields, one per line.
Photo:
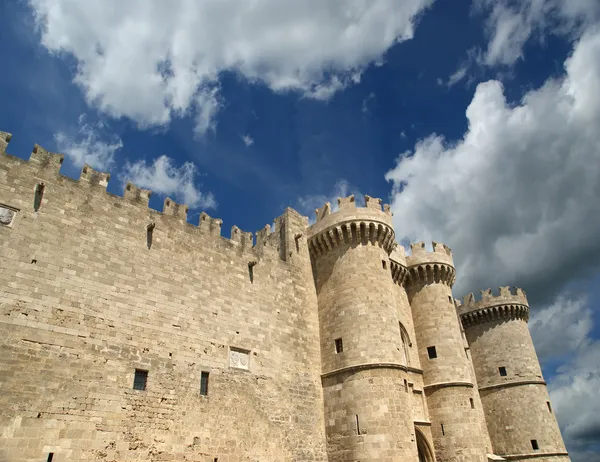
x=128 y=333
x=96 y=286
x=513 y=392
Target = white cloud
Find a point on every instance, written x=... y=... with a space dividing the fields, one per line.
x=518 y=192
x=248 y=141
x=574 y=395
x=90 y=144
x=510 y=24
x=162 y=177
x=150 y=60
x=561 y=328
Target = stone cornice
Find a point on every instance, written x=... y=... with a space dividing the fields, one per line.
x=364 y=366
x=512 y=384
x=430 y=273
x=494 y=313
x=352 y=231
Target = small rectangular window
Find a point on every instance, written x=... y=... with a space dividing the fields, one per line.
x=357 y=425
x=502 y=371
x=472 y=403
x=534 y=445
x=50 y=457
x=431 y=352
x=384 y=264
x=467 y=352
x=549 y=406
x=204 y=383
x=140 y=379
x=450 y=298
x=443 y=431
x=339 y=347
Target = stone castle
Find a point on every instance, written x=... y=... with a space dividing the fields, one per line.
x=127 y=334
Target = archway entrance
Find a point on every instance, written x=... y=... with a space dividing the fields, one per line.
x=425 y=454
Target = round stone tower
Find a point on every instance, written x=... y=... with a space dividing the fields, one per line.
x=456 y=427
x=518 y=412
x=368 y=415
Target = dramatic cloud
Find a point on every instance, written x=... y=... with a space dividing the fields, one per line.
x=150 y=60
x=89 y=144
x=510 y=24
x=516 y=197
x=162 y=177
x=561 y=328
x=574 y=394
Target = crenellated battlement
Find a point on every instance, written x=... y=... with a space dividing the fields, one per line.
x=46 y=165
x=509 y=303
x=351 y=224
x=430 y=265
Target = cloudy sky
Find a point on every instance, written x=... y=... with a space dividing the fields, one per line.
x=478 y=121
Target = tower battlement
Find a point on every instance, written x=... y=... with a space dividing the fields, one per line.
x=43 y=164
x=351 y=224
x=511 y=303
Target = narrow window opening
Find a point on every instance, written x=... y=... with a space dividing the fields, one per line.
x=549 y=406
x=339 y=346
x=251 y=271
x=534 y=445
x=443 y=431
x=216 y=459
x=406 y=385
x=384 y=264
x=170 y=355
x=50 y=457
x=449 y=298
x=140 y=379
x=34 y=261
x=405 y=344
x=39 y=194
x=204 y=383
x=502 y=371
x=431 y=352
x=467 y=352
x=297 y=239
x=472 y=403
x=149 y=231
x=357 y=425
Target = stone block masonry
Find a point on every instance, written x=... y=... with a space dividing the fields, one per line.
x=85 y=300
x=128 y=334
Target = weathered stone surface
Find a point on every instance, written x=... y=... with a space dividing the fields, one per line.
x=315 y=338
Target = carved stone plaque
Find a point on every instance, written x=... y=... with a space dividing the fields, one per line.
x=6 y=216
x=238 y=359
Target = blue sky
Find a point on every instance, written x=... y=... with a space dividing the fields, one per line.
x=476 y=120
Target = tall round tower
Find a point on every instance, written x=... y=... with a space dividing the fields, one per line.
x=368 y=416
x=456 y=427
x=513 y=392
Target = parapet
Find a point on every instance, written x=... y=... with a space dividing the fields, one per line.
x=43 y=164
x=509 y=303
x=351 y=224
x=421 y=255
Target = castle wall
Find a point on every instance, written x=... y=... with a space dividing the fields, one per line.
x=85 y=302
x=517 y=406
x=368 y=407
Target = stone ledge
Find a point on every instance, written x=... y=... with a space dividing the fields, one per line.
x=513 y=384
x=372 y=366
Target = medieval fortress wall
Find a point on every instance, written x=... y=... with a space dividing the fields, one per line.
x=129 y=334
x=85 y=302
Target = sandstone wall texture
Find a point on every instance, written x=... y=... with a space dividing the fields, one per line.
x=368 y=403
x=85 y=302
x=449 y=389
x=517 y=407
x=128 y=334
